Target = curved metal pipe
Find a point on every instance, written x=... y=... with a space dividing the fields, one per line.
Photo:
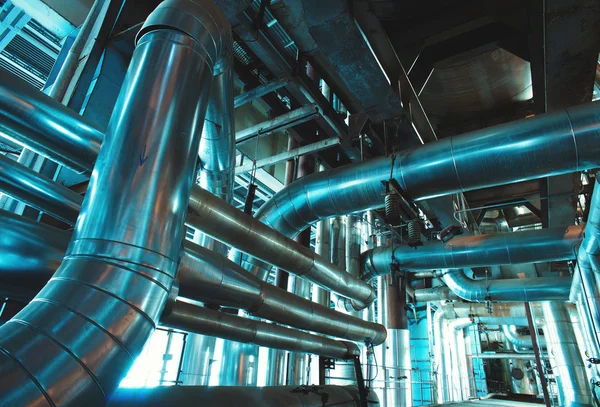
x=512 y=289
x=545 y=145
x=520 y=340
x=200 y=320
x=207 y=212
x=31 y=252
x=192 y=396
x=124 y=252
x=531 y=246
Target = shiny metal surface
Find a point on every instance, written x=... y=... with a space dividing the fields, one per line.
x=519 y=340
x=209 y=277
x=39 y=192
x=462 y=315
x=64 y=348
x=567 y=365
x=275 y=374
x=399 y=366
x=45 y=126
x=219 y=396
x=203 y=275
x=322 y=248
x=511 y=289
x=217 y=146
x=193 y=318
x=480 y=250
x=434 y=294
x=197 y=359
x=238 y=364
x=545 y=145
x=242 y=231
x=26 y=260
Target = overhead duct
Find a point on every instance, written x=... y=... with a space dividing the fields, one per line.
x=203 y=275
x=289 y=396
x=519 y=340
x=213 y=216
x=196 y=319
x=532 y=246
x=556 y=143
x=124 y=252
x=511 y=289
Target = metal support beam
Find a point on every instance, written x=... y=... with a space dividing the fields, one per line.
x=259 y=92
x=536 y=351
x=290 y=119
x=291 y=154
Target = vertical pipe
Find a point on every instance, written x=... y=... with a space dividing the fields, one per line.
x=399 y=392
x=297 y=362
x=379 y=351
x=538 y=359
x=568 y=368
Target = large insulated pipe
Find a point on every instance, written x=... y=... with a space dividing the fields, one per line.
x=532 y=246
x=556 y=143
x=568 y=367
x=191 y=396
x=31 y=252
x=124 y=252
x=193 y=318
x=207 y=212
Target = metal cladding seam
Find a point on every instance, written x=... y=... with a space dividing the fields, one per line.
x=73 y=343
x=32 y=251
x=551 y=144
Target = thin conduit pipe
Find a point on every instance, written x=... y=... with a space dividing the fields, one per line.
x=124 y=253
x=31 y=252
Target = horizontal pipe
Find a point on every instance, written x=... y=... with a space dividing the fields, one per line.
x=282 y=122
x=33 y=119
x=522 y=356
x=204 y=321
x=545 y=145
x=434 y=294
x=233 y=227
x=532 y=246
x=511 y=289
x=31 y=252
x=208 y=213
x=192 y=396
